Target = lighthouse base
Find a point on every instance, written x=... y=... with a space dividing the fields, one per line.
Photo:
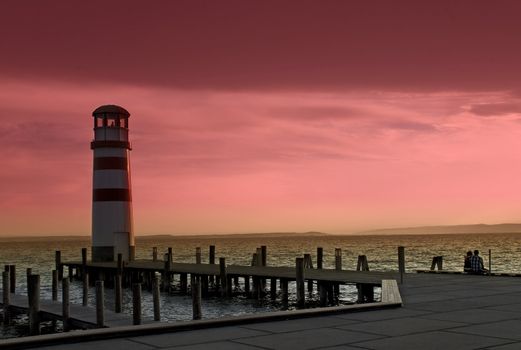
x=103 y=254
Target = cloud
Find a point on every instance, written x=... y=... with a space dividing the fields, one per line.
x=495 y=109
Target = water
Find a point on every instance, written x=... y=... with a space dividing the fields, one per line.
x=381 y=252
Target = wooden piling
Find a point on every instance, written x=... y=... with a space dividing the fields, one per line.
x=299 y=268
x=85 y=280
x=223 y=277
x=154 y=254
x=198 y=255
x=247 y=285
x=308 y=264
x=120 y=264
x=12 y=278
x=183 y=282
x=170 y=254
x=196 y=298
x=6 y=296
x=83 y=261
x=322 y=290
x=70 y=273
x=168 y=265
x=401 y=262
x=211 y=260
x=155 y=297
x=136 y=304
x=320 y=257
x=284 y=290
x=490 y=262
x=58 y=263
x=54 y=285
x=273 y=288
x=338 y=259
x=118 y=293
x=34 y=305
x=66 y=307
x=264 y=255
x=100 y=304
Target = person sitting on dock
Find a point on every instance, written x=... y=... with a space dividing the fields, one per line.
x=466 y=266
x=476 y=263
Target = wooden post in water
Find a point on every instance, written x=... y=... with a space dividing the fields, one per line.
x=118 y=293
x=6 y=296
x=136 y=304
x=28 y=272
x=211 y=260
x=154 y=254
x=34 y=305
x=85 y=280
x=196 y=297
x=401 y=262
x=12 y=278
x=54 y=285
x=120 y=264
x=83 y=261
x=168 y=266
x=320 y=257
x=100 y=304
x=198 y=255
x=440 y=263
x=183 y=279
x=338 y=259
x=170 y=254
x=223 y=277
x=155 y=297
x=58 y=263
x=322 y=290
x=65 y=304
x=308 y=264
x=273 y=288
x=70 y=273
x=490 y=262
x=284 y=290
x=247 y=285
x=264 y=255
x=299 y=268
x=338 y=267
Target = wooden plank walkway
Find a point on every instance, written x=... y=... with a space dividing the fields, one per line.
x=289 y=273
x=80 y=316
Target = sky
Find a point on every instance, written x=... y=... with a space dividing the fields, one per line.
x=264 y=116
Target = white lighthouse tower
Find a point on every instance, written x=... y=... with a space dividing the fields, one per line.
x=112 y=226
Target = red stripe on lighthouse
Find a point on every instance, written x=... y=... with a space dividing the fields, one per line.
x=104 y=163
x=111 y=195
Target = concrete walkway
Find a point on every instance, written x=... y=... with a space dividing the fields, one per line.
x=440 y=312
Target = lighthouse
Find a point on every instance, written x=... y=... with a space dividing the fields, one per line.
x=112 y=226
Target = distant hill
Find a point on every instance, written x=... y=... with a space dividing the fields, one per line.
x=236 y=235
x=450 y=229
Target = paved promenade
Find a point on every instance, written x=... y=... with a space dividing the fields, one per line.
x=439 y=312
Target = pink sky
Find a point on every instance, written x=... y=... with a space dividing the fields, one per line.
x=258 y=116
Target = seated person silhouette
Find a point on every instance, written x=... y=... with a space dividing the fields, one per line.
x=476 y=264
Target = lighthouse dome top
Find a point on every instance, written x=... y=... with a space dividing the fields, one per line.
x=111 y=109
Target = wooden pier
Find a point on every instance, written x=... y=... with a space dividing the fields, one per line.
x=83 y=317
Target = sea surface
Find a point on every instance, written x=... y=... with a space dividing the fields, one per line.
x=381 y=252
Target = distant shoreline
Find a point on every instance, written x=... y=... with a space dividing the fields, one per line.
x=403 y=231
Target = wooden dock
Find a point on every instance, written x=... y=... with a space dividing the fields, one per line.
x=289 y=273
x=83 y=317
